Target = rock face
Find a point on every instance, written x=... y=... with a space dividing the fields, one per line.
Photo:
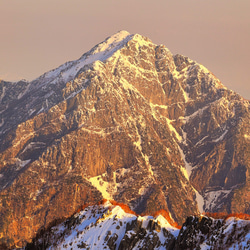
x=127 y=121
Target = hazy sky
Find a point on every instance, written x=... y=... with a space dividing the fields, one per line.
x=37 y=36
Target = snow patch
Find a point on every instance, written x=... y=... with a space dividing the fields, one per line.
x=138 y=143
x=185 y=173
x=34 y=195
x=141 y=41
x=23 y=93
x=204 y=246
x=198 y=112
x=31 y=111
x=173 y=130
x=212 y=198
x=247 y=137
x=127 y=86
x=221 y=137
x=100 y=52
x=99 y=131
x=20 y=164
x=2 y=122
x=33 y=145
x=96 y=225
x=159 y=106
x=188 y=167
x=164 y=223
x=201 y=141
x=170 y=126
x=3 y=93
x=204 y=69
x=143 y=190
x=101 y=185
x=146 y=158
x=200 y=201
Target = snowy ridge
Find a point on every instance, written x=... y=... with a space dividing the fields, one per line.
x=66 y=72
x=109 y=226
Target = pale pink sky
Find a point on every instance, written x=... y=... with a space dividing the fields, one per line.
x=37 y=36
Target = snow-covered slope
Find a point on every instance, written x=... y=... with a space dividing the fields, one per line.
x=100 y=52
x=208 y=233
x=110 y=227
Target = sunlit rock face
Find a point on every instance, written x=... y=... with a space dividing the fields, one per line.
x=127 y=121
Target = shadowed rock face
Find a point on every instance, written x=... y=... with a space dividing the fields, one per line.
x=213 y=233
x=127 y=121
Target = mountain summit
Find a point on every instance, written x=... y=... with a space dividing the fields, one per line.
x=127 y=121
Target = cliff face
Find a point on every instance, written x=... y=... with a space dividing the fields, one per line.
x=127 y=121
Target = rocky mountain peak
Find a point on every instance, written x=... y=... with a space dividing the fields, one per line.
x=127 y=121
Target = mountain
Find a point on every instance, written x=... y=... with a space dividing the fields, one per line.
x=127 y=121
x=110 y=227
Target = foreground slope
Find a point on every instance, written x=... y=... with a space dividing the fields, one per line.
x=127 y=121
x=110 y=227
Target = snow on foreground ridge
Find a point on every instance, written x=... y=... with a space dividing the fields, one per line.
x=112 y=226
x=107 y=226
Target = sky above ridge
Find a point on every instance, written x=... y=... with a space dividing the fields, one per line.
x=37 y=36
